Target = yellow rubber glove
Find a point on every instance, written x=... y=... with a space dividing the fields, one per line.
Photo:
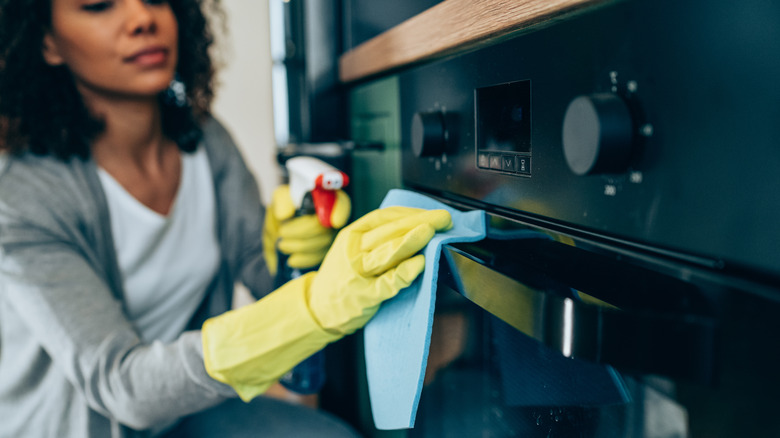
x=250 y=348
x=370 y=261
x=302 y=238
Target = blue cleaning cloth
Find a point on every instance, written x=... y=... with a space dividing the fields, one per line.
x=397 y=340
x=398 y=337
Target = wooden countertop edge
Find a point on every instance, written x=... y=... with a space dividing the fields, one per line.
x=447 y=27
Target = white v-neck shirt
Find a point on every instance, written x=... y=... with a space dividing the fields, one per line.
x=167 y=262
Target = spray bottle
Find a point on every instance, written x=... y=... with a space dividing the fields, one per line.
x=313 y=185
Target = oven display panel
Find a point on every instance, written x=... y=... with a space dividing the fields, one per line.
x=503 y=127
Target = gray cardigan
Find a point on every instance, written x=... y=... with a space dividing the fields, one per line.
x=71 y=365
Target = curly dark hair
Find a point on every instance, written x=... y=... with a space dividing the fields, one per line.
x=42 y=112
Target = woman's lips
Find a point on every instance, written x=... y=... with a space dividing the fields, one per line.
x=149 y=57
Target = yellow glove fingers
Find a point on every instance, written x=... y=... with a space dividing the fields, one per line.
x=305 y=241
x=378 y=218
x=281 y=208
x=392 y=252
x=319 y=243
x=281 y=204
x=387 y=286
x=370 y=261
x=305 y=260
x=302 y=227
x=436 y=219
x=270 y=234
x=392 y=281
x=364 y=303
x=271 y=260
x=342 y=208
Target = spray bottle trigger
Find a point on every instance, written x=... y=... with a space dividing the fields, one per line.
x=324 y=200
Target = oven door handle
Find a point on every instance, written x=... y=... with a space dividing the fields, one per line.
x=642 y=341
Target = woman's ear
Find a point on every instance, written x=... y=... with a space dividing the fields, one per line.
x=51 y=52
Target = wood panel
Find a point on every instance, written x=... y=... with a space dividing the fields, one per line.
x=450 y=26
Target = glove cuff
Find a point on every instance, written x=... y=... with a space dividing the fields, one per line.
x=252 y=347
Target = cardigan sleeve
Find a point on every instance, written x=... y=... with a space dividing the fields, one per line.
x=240 y=211
x=48 y=278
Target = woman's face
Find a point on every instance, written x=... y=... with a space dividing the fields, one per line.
x=114 y=48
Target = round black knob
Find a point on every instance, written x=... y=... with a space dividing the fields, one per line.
x=597 y=134
x=428 y=134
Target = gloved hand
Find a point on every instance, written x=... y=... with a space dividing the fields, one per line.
x=302 y=238
x=370 y=261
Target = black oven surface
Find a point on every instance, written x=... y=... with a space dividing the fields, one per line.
x=558 y=338
x=649 y=134
x=678 y=110
x=488 y=380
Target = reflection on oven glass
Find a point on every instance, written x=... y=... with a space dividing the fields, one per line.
x=486 y=379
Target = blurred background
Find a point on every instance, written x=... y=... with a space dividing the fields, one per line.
x=244 y=95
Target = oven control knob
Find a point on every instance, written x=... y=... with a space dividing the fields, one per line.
x=597 y=134
x=428 y=134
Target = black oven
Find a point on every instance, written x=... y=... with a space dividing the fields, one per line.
x=627 y=158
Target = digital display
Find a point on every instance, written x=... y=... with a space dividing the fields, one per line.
x=503 y=127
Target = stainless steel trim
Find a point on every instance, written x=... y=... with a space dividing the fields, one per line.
x=645 y=341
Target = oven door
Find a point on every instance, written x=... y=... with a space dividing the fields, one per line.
x=550 y=337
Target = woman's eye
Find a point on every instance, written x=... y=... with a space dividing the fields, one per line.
x=97 y=7
x=156 y=2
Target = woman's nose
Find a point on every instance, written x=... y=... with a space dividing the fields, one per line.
x=140 y=18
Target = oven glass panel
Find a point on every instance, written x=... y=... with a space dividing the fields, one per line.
x=486 y=379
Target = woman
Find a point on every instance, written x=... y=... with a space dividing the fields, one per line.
x=126 y=217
